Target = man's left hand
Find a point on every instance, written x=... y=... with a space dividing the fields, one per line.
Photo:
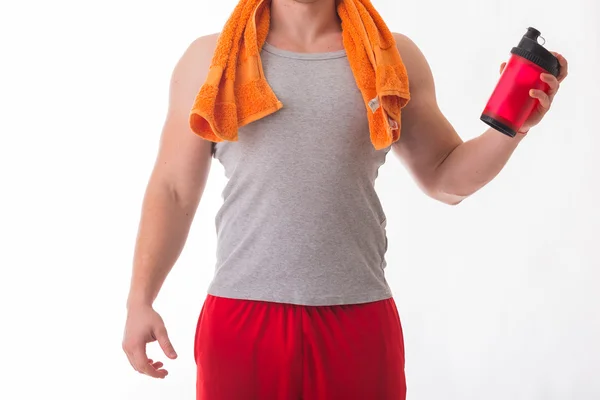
x=544 y=99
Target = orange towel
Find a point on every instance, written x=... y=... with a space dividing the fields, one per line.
x=236 y=92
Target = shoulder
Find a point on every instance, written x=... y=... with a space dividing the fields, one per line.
x=205 y=43
x=191 y=71
x=406 y=46
x=193 y=65
x=411 y=54
x=201 y=49
x=403 y=41
x=417 y=67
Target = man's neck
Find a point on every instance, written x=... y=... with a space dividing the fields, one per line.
x=305 y=25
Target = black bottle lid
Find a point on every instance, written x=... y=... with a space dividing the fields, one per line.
x=530 y=49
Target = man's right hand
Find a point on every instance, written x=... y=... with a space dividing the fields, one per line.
x=143 y=326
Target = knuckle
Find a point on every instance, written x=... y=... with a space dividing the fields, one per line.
x=161 y=333
x=162 y=336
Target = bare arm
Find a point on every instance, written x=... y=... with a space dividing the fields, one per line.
x=444 y=166
x=177 y=181
x=170 y=202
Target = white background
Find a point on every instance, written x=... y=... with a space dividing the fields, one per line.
x=498 y=296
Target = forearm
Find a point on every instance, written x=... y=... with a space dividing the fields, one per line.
x=473 y=164
x=164 y=227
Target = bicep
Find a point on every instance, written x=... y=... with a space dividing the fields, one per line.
x=184 y=158
x=426 y=137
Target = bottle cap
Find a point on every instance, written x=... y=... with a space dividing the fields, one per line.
x=530 y=49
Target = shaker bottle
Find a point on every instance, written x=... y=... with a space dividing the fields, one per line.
x=510 y=104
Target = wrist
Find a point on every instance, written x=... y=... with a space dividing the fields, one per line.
x=136 y=300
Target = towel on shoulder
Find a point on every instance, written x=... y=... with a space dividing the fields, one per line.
x=236 y=92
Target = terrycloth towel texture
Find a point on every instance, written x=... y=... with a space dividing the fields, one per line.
x=236 y=92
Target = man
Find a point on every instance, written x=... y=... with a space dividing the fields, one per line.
x=299 y=306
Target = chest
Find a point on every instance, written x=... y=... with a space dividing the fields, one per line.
x=323 y=120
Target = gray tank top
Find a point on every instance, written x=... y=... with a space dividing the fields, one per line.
x=300 y=221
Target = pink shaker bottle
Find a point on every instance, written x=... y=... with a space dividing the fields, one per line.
x=510 y=104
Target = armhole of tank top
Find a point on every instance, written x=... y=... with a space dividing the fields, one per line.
x=383 y=226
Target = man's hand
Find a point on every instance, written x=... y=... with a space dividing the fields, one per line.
x=544 y=99
x=143 y=326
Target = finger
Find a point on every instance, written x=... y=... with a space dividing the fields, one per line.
x=140 y=361
x=564 y=66
x=165 y=343
x=127 y=349
x=131 y=362
x=157 y=365
x=543 y=98
x=552 y=82
x=502 y=66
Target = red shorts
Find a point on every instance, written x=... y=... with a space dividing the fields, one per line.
x=271 y=351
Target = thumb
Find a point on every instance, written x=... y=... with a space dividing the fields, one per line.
x=502 y=66
x=165 y=344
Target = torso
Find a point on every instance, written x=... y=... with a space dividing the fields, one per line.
x=300 y=221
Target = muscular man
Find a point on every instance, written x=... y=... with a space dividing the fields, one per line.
x=299 y=306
